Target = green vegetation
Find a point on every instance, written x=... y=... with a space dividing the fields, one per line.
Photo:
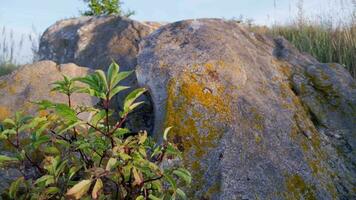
x=95 y=158
x=323 y=41
x=328 y=38
x=7 y=52
x=7 y=68
x=106 y=7
x=10 y=49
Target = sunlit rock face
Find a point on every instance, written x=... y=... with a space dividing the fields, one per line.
x=95 y=42
x=29 y=84
x=33 y=82
x=255 y=118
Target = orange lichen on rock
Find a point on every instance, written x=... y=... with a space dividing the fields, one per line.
x=297 y=188
x=197 y=117
x=4 y=113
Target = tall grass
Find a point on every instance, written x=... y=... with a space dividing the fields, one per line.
x=325 y=41
x=8 y=51
x=11 y=49
x=329 y=37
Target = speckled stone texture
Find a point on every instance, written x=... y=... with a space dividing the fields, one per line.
x=256 y=119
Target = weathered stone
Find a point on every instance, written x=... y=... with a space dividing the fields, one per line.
x=255 y=118
x=32 y=83
x=94 y=42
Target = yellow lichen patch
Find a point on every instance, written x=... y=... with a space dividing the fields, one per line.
x=2 y=84
x=307 y=137
x=12 y=90
x=212 y=190
x=258 y=138
x=4 y=113
x=258 y=119
x=197 y=117
x=282 y=67
x=297 y=188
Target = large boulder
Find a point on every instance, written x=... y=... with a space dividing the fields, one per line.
x=94 y=42
x=255 y=118
x=32 y=83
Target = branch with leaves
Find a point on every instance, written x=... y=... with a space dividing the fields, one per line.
x=97 y=157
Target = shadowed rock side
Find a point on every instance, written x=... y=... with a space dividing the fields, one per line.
x=255 y=118
x=33 y=83
x=94 y=42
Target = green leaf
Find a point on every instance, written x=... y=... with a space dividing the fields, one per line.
x=69 y=126
x=9 y=122
x=80 y=189
x=6 y=159
x=62 y=142
x=140 y=197
x=9 y=132
x=66 y=112
x=133 y=96
x=47 y=179
x=111 y=163
x=120 y=132
x=97 y=188
x=44 y=104
x=116 y=90
x=14 y=187
x=152 y=197
x=98 y=117
x=170 y=180
x=112 y=73
x=91 y=81
x=166 y=131
x=42 y=139
x=183 y=174
x=52 y=150
x=60 y=167
x=121 y=76
x=102 y=79
x=124 y=156
x=52 y=191
x=173 y=151
x=73 y=170
x=3 y=136
x=142 y=137
x=134 y=105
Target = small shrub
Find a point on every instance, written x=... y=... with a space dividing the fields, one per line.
x=7 y=68
x=97 y=158
x=106 y=7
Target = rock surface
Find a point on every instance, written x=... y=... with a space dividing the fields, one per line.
x=255 y=118
x=94 y=42
x=33 y=83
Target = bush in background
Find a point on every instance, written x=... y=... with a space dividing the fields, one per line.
x=106 y=7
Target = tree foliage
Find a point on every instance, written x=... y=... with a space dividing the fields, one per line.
x=95 y=158
x=106 y=7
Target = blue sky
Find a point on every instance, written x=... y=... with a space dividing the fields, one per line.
x=22 y=15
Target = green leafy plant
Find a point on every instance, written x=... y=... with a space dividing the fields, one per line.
x=106 y=7
x=95 y=158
